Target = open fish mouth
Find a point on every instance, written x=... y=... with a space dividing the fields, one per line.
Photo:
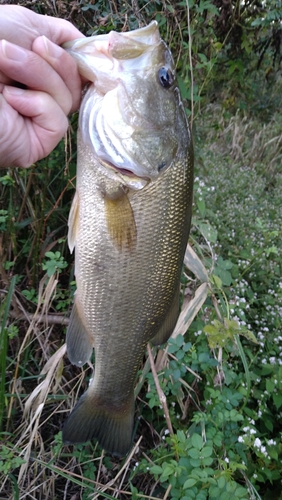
x=127 y=176
x=125 y=171
x=127 y=116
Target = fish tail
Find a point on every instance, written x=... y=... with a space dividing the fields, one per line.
x=111 y=425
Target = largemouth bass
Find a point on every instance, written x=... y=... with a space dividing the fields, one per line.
x=129 y=222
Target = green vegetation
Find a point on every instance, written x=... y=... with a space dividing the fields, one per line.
x=219 y=433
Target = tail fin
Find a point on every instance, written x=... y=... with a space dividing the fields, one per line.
x=91 y=418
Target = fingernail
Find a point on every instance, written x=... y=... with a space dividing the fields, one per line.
x=13 y=52
x=14 y=90
x=52 y=49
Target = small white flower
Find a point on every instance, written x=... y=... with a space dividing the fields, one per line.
x=257 y=442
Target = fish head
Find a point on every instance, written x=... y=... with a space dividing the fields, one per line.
x=131 y=116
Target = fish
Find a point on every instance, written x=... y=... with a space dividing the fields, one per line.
x=129 y=223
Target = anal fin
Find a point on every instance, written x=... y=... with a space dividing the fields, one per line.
x=79 y=340
x=169 y=323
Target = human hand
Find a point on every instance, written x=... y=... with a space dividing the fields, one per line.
x=34 y=119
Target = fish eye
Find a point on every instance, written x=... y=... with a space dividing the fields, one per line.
x=166 y=77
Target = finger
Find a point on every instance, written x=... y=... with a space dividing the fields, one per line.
x=40 y=124
x=63 y=64
x=9 y=126
x=4 y=79
x=59 y=31
x=30 y=69
x=28 y=25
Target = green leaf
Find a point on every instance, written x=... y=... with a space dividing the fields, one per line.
x=168 y=470
x=156 y=469
x=189 y=483
x=277 y=399
x=197 y=441
x=214 y=492
x=176 y=374
x=194 y=453
x=50 y=255
x=201 y=207
x=269 y=386
x=207 y=461
x=209 y=233
x=224 y=275
x=216 y=281
x=195 y=462
x=221 y=482
x=206 y=451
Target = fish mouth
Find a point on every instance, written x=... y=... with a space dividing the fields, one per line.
x=124 y=171
x=128 y=177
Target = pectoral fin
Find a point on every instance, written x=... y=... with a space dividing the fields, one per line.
x=79 y=341
x=120 y=221
x=73 y=222
x=169 y=323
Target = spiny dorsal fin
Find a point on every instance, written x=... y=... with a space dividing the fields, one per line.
x=120 y=221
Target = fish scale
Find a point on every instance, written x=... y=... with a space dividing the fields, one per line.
x=130 y=235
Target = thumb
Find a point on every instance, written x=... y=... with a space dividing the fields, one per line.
x=33 y=125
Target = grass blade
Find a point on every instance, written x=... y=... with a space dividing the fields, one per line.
x=4 y=348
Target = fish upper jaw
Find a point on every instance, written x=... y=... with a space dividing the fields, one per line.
x=102 y=57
